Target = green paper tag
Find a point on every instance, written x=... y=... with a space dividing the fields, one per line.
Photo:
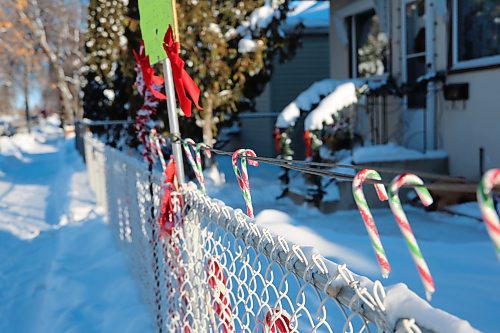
x=156 y=16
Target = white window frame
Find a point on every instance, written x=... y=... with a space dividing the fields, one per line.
x=404 y=54
x=463 y=64
x=353 y=42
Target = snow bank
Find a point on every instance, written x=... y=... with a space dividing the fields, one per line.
x=392 y=152
x=343 y=96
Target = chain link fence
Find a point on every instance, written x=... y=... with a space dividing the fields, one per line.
x=218 y=271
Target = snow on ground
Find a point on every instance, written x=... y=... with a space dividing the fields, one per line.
x=60 y=269
x=457 y=249
x=392 y=152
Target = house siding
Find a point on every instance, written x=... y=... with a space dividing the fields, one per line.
x=466 y=127
x=310 y=64
x=462 y=128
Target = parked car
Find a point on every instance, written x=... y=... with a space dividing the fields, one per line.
x=6 y=128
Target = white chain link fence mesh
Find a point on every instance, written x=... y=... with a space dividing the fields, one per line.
x=220 y=272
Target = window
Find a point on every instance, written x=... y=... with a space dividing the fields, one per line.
x=414 y=50
x=368 y=44
x=476 y=33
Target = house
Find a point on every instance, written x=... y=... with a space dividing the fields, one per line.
x=445 y=57
x=311 y=63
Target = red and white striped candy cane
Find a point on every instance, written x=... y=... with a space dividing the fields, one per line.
x=242 y=177
x=222 y=306
x=490 y=179
x=404 y=225
x=371 y=228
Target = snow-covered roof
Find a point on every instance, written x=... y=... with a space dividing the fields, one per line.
x=335 y=94
x=310 y=97
x=315 y=15
x=344 y=95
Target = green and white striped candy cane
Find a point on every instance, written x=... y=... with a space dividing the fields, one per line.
x=404 y=225
x=242 y=177
x=189 y=145
x=490 y=179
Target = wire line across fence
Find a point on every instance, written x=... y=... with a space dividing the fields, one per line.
x=219 y=271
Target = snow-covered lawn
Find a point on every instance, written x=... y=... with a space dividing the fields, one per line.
x=60 y=268
x=459 y=253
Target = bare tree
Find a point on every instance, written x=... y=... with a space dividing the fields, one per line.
x=51 y=28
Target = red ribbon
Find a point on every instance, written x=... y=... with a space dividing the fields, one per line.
x=308 y=141
x=182 y=81
x=148 y=74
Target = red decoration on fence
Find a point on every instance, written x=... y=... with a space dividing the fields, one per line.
x=308 y=142
x=278 y=321
x=143 y=122
x=218 y=282
x=169 y=213
x=148 y=74
x=277 y=139
x=182 y=81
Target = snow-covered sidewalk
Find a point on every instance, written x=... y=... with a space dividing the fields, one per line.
x=60 y=268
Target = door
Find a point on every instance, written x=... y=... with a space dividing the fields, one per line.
x=413 y=57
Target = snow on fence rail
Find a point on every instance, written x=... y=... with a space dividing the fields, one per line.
x=221 y=272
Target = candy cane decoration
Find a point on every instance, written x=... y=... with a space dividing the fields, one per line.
x=218 y=282
x=404 y=225
x=242 y=177
x=208 y=153
x=195 y=164
x=371 y=228
x=487 y=206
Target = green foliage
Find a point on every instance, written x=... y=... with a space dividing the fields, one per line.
x=228 y=79
x=108 y=88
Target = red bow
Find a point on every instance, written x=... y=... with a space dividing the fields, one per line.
x=148 y=74
x=182 y=81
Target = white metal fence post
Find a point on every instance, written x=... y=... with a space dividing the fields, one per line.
x=191 y=227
